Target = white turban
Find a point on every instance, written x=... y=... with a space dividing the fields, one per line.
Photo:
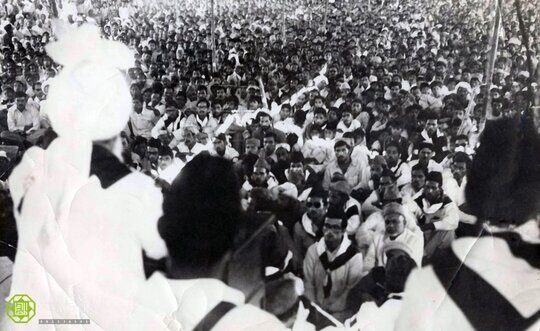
x=90 y=98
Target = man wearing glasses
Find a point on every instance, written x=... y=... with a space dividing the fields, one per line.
x=332 y=266
x=309 y=230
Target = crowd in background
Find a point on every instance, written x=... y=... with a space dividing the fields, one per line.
x=355 y=124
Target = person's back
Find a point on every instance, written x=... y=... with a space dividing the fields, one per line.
x=193 y=295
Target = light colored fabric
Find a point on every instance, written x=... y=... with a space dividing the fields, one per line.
x=167 y=304
x=426 y=305
x=413 y=240
x=79 y=249
x=343 y=278
x=357 y=174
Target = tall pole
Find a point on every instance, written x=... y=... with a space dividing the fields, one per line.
x=325 y=14
x=283 y=9
x=212 y=36
x=494 y=42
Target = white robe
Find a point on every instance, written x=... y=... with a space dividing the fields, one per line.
x=169 y=304
x=80 y=246
x=427 y=306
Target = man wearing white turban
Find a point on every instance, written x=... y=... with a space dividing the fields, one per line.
x=83 y=218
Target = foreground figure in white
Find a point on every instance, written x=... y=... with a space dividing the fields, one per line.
x=83 y=218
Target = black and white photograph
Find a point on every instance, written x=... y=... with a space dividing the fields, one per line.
x=261 y=165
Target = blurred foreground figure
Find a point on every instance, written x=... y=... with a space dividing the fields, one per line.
x=201 y=219
x=83 y=217
x=488 y=282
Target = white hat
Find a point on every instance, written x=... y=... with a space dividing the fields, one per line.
x=345 y=86
x=90 y=97
x=287 y=147
x=287 y=189
x=465 y=85
x=514 y=41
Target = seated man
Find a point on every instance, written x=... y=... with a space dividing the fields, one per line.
x=395 y=163
x=197 y=296
x=332 y=266
x=356 y=174
x=260 y=177
x=222 y=148
x=339 y=196
x=309 y=230
x=414 y=189
x=397 y=233
x=373 y=317
x=437 y=214
x=22 y=121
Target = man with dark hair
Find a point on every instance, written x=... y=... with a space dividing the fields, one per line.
x=223 y=149
x=395 y=163
x=455 y=183
x=437 y=214
x=332 y=266
x=372 y=316
x=415 y=188
x=432 y=135
x=269 y=145
x=202 y=121
x=309 y=230
x=199 y=262
x=426 y=153
x=22 y=121
x=265 y=126
x=353 y=172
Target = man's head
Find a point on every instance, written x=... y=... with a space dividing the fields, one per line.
x=189 y=137
x=433 y=188
x=265 y=121
x=316 y=205
x=425 y=153
x=342 y=151
x=319 y=116
x=252 y=146
x=392 y=153
x=21 y=99
x=460 y=164
x=203 y=108
x=339 y=192
x=387 y=181
x=334 y=227
x=165 y=157
x=209 y=227
x=347 y=116
x=259 y=176
x=152 y=150
x=285 y=111
x=398 y=269
x=220 y=143
x=394 y=219
x=432 y=120
x=269 y=143
x=418 y=177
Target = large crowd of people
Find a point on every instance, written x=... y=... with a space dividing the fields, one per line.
x=355 y=124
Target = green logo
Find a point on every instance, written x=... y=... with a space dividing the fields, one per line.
x=21 y=308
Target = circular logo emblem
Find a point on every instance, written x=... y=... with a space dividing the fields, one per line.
x=21 y=308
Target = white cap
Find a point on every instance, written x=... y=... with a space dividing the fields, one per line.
x=90 y=97
x=514 y=41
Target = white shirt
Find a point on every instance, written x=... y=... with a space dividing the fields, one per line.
x=17 y=120
x=142 y=123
